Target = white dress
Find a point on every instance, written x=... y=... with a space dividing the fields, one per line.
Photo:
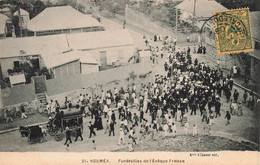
x=179 y=115
x=145 y=105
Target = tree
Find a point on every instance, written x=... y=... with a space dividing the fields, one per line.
x=114 y=6
x=38 y=7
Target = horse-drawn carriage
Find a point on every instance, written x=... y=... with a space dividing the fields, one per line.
x=35 y=134
x=71 y=118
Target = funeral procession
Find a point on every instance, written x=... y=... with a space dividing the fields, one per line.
x=129 y=75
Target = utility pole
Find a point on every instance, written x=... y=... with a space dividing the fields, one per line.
x=176 y=23
x=126 y=11
x=20 y=21
x=194 y=9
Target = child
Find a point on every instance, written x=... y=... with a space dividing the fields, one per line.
x=107 y=127
x=121 y=136
x=174 y=130
x=186 y=126
x=94 y=144
x=67 y=148
x=136 y=119
x=239 y=109
x=228 y=116
x=194 y=130
x=130 y=144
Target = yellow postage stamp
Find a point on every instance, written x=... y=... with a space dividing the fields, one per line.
x=233 y=31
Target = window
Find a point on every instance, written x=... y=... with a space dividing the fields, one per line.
x=16 y=64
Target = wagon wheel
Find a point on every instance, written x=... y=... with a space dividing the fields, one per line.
x=31 y=141
x=59 y=136
x=52 y=131
x=40 y=139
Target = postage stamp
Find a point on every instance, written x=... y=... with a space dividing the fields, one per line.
x=233 y=31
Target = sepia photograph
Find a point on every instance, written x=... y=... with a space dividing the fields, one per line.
x=129 y=76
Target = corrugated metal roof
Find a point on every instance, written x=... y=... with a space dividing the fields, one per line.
x=203 y=8
x=52 y=44
x=62 y=17
x=102 y=39
x=55 y=60
x=85 y=57
x=11 y=47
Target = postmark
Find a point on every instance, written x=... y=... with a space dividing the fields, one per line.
x=233 y=31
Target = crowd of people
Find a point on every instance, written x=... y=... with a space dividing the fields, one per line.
x=187 y=86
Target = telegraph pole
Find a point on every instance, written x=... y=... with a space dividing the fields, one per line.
x=176 y=23
x=126 y=11
x=20 y=21
x=194 y=9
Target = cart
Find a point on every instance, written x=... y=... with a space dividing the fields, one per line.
x=35 y=134
x=72 y=118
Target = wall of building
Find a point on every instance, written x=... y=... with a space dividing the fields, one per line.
x=121 y=53
x=63 y=84
x=67 y=69
x=8 y=63
x=19 y=94
x=89 y=68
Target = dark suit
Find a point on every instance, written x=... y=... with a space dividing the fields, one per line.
x=79 y=134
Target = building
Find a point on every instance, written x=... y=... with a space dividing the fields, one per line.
x=203 y=10
x=106 y=47
x=88 y=64
x=23 y=16
x=3 y=29
x=69 y=63
x=14 y=51
x=62 y=64
x=17 y=79
x=62 y=19
x=255 y=55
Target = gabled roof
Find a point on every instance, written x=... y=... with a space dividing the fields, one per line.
x=85 y=57
x=52 y=44
x=62 y=17
x=22 y=12
x=203 y=8
x=55 y=60
x=11 y=47
x=255 y=24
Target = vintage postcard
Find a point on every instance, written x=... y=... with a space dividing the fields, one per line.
x=129 y=82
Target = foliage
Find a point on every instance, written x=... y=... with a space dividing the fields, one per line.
x=165 y=13
x=234 y=4
x=113 y=6
x=45 y=71
x=72 y=3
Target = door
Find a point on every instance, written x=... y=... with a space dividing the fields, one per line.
x=103 y=59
